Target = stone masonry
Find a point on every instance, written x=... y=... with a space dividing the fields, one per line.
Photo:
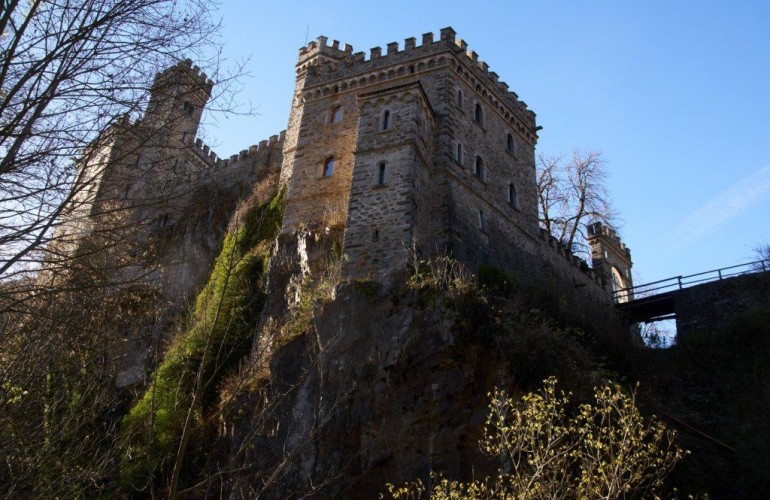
x=429 y=148
x=417 y=145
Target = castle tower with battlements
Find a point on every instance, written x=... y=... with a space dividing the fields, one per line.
x=611 y=260
x=421 y=144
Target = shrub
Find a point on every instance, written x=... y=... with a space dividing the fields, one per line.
x=496 y=281
x=606 y=450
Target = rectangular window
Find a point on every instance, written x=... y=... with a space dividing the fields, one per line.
x=459 y=153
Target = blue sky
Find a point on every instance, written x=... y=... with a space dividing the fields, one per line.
x=675 y=94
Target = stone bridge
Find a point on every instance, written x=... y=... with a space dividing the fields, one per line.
x=703 y=300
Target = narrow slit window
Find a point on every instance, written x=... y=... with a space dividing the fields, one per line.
x=459 y=153
x=509 y=145
x=479 y=116
x=386 y=120
x=481 y=221
x=459 y=98
x=328 y=167
x=376 y=235
x=513 y=196
x=479 y=168
x=381 y=174
x=336 y=115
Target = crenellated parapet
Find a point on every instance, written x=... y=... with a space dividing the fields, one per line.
x=554 y=245
x=333 y=68
x=611 y=259
x=275 y=142
x=189 y=70
x=598 y=231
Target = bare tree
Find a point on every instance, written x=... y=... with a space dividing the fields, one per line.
x=573 y=193
x=73 y=75
x=762 y=257
x=69 y=70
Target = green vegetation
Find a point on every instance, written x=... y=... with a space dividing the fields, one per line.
x=604 y=450
x=184 y=387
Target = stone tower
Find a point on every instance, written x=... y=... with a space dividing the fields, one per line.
x=177 y=98
x=611 y=260
x=416 y=145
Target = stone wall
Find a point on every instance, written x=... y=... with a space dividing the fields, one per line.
x=710 y=307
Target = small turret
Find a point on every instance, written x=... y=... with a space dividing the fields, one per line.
x=177 y=98
x=611 y=259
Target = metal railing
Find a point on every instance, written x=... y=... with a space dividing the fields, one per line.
x=679 y=282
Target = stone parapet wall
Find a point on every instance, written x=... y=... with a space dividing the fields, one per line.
x=711 y=306
x=334 y=66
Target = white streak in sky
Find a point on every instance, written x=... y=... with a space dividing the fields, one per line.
x=723 y=207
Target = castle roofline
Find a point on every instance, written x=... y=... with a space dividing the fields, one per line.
x=329 y=63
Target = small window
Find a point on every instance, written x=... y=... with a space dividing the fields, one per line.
x=381 y=174
x=188 y=108
x=513 y=196
x=482 y=222
x=509 y=145
x=478 y=170
x=386 y=120
x=459 y=98
x=459 y=153
x=479 y=116
x=336 y=115
x=329 y=167
x=376 y=235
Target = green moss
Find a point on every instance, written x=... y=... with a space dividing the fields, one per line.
x=221 y=330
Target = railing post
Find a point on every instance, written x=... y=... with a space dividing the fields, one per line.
x=679 y=280
x=720 y=274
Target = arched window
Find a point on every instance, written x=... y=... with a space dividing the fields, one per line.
x=513 y=196
x=459 y=153
x=479 y=116
x=509 y=145
x=336 y=115
x=381 y=174
x=459 y=98
x=386 y=120
x=478 y=170
x=328 y=167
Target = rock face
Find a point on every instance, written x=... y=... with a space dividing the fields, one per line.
x=364 y=399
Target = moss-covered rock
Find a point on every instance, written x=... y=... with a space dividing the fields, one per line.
x=220 y=333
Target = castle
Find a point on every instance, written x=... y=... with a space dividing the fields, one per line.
x=421 y=145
